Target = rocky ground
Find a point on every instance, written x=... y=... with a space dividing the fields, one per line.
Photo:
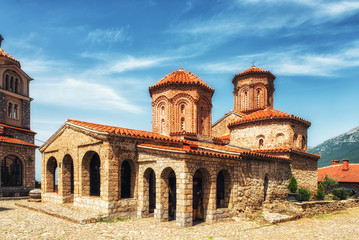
x=20 y=223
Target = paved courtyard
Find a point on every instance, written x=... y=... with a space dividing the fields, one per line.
x=21 y=223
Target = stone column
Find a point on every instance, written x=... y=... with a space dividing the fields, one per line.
x=184 y=200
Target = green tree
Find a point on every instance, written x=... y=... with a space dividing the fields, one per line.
x=293 y=185
x=303 y=194
x=329 y=183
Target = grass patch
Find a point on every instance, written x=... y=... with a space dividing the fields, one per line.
x=114 y=220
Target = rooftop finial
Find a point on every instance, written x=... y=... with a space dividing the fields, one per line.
x=1 y=38
x=181 y=63
x=253 y=62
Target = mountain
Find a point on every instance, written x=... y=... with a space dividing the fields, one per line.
x=343 y=146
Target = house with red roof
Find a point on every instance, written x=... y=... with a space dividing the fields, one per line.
x=185 y=165
x=346 y=174
x=17 y=149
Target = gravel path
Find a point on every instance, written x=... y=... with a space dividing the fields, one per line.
x=21 y=223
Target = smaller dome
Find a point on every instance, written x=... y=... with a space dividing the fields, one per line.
x=181 y=77
x=252 y=70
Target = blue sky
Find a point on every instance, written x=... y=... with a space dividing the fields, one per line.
x=94 y=60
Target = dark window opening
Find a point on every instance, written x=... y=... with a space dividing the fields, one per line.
x=220 y=190
x=125 y=180
x=11 y=171
x=152 y=191
x=95 y=176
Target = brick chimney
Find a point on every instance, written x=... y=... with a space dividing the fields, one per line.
x=335 y=162
x=345 y=164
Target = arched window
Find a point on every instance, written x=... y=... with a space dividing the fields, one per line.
x=11 y=84
x=245 y=100
x=260 y=143
x=183 y=124
x=9 y=110
x=163 y=110
x=95 y=175
x=295 y=140
x=11 y=171
x=15 y=111
x=304 y=143
x=182 y=109
x=258 y=97
x=16 y=89
x=6 y=85
x=125 y=180
x=279 y=140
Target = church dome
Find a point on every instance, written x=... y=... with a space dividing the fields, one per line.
x=181 y=77
x=253 y=70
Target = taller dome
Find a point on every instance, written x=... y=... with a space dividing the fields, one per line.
x=181 y=77
x=181 y=104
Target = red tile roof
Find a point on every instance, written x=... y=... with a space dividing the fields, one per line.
x=336 y=171
x=286 y=150
x=16 y=128
x=267 y=114
x=181 y=76
x=123 y=131
x=5 y=139
x=5 y=54
x=201 y=148
x=252 y=70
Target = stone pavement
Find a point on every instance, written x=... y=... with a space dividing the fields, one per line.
x=21 y=223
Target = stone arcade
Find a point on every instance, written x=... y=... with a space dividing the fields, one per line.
x=17 y=149
x=243 y=160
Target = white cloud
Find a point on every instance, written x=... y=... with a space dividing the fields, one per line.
x=81 y=94
x=108 y=35
x=131 y=63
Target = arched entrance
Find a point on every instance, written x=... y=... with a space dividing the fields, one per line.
x=125 y=180
x=223 y=189
x=95 y=175
x=68 y=175
x=51 y=175
x=265 y=187
x=11 y=171
x=172 y=200
x=150 y=184
x=200 y=198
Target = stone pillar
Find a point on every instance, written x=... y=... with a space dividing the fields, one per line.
x=184 y=200
x=142 y=194
x=161 y=211
x=211 y=205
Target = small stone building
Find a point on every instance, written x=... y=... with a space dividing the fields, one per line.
x=17 y=149
x=346 y=174
x=243 y=160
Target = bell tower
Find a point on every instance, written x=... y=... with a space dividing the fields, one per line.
x=253 y=90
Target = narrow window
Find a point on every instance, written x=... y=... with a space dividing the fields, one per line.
x=245 y=100
x=163 y=110
x=295 y=139
x=258 y=97
x=9 y=110
x=11 y=84
x=15 y=111
x=162 y=126
x=182 y=109
x=16 y=85
x=260 y=143
x=182 y=124
x=7 y=82
x=304 y=143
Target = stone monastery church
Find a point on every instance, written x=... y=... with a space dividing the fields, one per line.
x=186 y=168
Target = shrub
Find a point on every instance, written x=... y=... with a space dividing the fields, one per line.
x=329 y=183
x=320 y=195
x=341 y=193
x=293 y=185
x=321 y=187
x=303 y=194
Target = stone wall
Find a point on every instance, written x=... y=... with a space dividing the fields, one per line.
x=220 y=128
x=26 y=155
x=304 y=168
x=3 y=107
x=25 y=114
x=21 y=135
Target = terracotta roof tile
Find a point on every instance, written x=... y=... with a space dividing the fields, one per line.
x=17 y=128
x=5 y=54
x=5 y=139
x=337 y=172
x=252 y=70
x=266 y=114
x=123 y=131
x=286 y=150
x=181 y=76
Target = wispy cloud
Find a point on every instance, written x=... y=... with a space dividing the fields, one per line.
x=76 y=93
x=108 y=35
x=293 y=62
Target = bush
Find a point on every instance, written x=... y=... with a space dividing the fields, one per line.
x=320 y=195
x=293 y=185
x=341 y=193
x=321 y=187
x=303 y=194
x=329 y=183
